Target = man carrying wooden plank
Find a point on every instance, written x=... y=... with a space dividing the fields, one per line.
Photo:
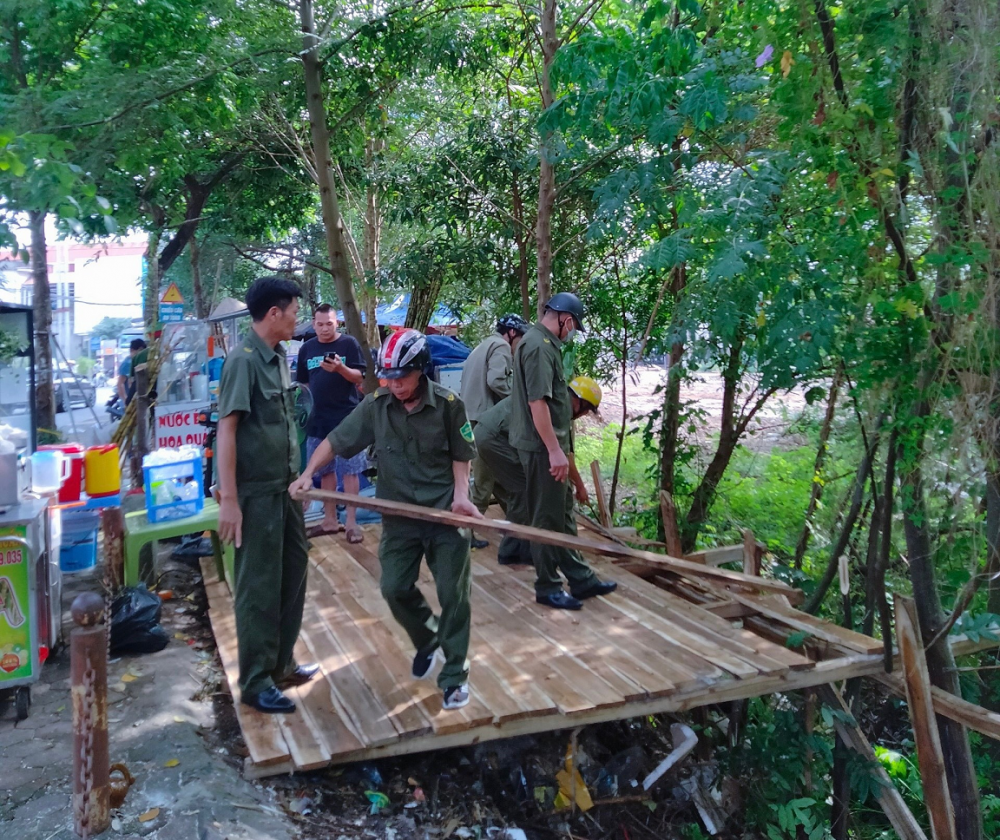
x=423 y=442
x=258 y=452
x=541 y=421
x=486 y=378
x=492 y=435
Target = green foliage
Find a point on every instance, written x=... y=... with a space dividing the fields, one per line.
x=111 y=327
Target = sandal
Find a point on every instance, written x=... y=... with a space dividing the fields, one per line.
x=355 y=536
x=320 y=530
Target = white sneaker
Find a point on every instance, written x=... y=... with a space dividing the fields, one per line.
x=455 y=697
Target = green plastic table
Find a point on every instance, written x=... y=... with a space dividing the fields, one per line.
x=139 y=531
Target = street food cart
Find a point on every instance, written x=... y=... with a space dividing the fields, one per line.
x=30 y=578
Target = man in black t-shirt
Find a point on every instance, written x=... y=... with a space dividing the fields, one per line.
x=332 y=366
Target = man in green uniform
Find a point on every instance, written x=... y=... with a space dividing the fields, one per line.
x=492 y=435
x=486 y=377
x=423 y=444
x=541 y=420
x=258 y=455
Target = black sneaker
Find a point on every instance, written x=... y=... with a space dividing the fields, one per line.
x=598 y=587
x=455 y=697
x=423 y=663
x=478 y=543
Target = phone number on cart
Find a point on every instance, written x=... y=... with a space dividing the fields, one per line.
x=13 y=557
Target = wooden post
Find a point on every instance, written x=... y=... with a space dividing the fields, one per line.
x=602 y=502
x=925 y=730
x=89 y=679
x=113 y=526
x=753 y=553
x=671 y=535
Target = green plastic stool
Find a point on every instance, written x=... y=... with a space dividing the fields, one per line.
x=139 y=531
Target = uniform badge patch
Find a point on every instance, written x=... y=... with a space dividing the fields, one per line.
x=467 y=432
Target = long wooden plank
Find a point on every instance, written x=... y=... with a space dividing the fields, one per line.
x=529 y=697
x=673 y=565
x=632 y=637
x=615 y=646
x=513 y=697
x=955 y=708
x=402 y=709
x=806 y=623
x=888 y=797
x=264 y=739
x=708 y=656
x=325 y=717
x=925 y=730
x=306 y=742
x=694 y=617
x=368 y=719
x=423 y=694
x=830 y=671
x=573 y=634
x=386 y=638
x=532 y=654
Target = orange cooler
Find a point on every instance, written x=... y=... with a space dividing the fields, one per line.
x=102 y=472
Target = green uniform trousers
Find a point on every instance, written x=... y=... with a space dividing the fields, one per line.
x=483 y=484
x=550 y=505
x=404 y=543
x=269 y=589
x=504 y=463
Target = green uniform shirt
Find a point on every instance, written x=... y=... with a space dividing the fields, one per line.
x=256 y=382
x=415 y=449
x=495 y=424
x=538 y=375
x=486 y=376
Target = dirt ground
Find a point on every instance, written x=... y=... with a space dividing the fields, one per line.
x=643 y=395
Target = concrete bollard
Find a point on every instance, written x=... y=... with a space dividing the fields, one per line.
x=89 y=678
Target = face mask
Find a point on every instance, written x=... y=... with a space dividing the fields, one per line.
x=570 y=336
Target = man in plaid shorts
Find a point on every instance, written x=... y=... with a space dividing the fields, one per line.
x=332 y=366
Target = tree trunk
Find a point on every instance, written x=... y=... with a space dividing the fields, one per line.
x=200 y=304
x=372 y=243
x=847 y=528
x=817 y=484
x=962 y=783
x=198 y=193
x=45 y=407
x=670 y=428
x=423 y=298
x=151 y=298
x=522 y=249
x=332 y=220
x=704 y=494
x=546 y=171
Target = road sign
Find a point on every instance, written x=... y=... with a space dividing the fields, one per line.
x=172 y=295
x=95 y=345
x=170 y=312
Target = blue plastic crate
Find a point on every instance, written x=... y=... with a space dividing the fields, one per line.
x=175 y=474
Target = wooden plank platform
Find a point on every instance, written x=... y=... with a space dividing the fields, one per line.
x=642 y=650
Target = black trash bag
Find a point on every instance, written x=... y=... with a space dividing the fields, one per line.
x=135 y=622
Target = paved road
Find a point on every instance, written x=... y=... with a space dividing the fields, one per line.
x=79 y=423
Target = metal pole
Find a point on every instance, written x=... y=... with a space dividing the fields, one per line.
x=89 y=678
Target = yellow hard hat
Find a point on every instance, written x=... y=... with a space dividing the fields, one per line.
x=587 y=390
